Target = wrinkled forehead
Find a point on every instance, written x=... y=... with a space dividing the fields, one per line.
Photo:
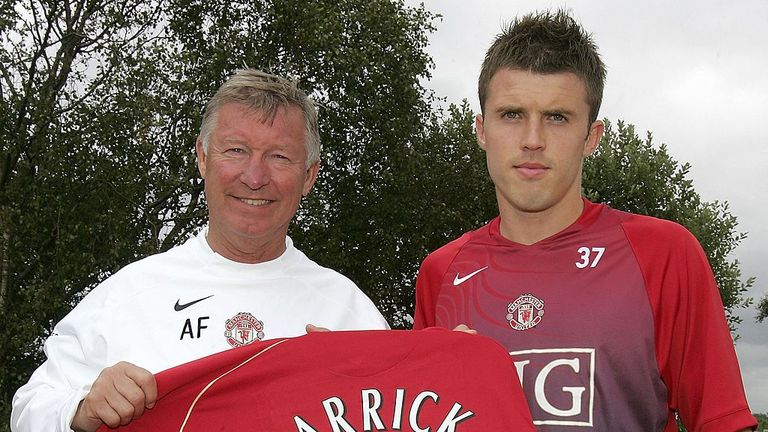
x=260 y=112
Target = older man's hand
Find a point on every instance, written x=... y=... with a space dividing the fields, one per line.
x=119 y=395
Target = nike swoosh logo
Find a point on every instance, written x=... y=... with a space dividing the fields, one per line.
x=180 y=307
x=460 y=280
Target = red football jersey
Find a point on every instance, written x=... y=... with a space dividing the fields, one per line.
x=433 y=380
x=614 y=323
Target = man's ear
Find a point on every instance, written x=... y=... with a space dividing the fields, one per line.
x=310 y=179
x=480 y=131
x=596 y=130
x=201 y=157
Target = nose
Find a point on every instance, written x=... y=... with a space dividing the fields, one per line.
x=533 y=136
x=256 y=173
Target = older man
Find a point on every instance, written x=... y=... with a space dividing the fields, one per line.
x=240 y=280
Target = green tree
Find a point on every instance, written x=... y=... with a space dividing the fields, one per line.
x=762 y=422
x=440 y=190
x=100 y=103
x=70 y=206
x=762 y=309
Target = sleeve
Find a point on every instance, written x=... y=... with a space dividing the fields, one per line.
x=48 y=401
x=694 y=348
x=427 y=288
x=342 y=303
x=429 y=281
x=365 y=315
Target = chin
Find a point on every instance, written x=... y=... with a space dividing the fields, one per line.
x=533 y=205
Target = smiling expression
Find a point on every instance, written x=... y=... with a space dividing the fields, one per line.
x=255 y=175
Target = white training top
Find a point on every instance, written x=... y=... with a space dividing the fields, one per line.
x=177 y=306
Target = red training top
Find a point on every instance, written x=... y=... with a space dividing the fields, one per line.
x=433 y=380
x=615 y=323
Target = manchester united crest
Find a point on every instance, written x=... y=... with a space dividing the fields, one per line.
x=525 y=312
x=243 y=329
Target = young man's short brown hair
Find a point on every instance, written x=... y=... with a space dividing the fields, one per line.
x=546 y=42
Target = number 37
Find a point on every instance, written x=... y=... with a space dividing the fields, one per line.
x=589 y=257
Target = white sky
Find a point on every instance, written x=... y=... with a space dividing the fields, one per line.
x=691 y=72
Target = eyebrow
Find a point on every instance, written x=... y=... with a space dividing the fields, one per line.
x=280 y=146
x=565 y=112
x=509 y=108
x=234 y=140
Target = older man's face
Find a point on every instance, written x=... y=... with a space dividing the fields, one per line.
x=255 y=175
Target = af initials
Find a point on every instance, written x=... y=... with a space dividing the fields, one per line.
x=188 y=328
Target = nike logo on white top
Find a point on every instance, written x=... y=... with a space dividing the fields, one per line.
x=460 y=280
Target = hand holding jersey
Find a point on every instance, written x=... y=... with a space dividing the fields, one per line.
x=311 y=328
x=122 y=392
x=431 y=380
x=465 y=329
x=119 y=395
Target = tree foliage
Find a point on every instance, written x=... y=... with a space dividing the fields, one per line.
x=762 y=422
x=72 y=202
x=762 y=309
x=384 y=223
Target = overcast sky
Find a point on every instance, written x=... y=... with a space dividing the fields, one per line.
x=691 y=72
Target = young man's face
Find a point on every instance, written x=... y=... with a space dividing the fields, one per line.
x=536 y=133
x=255 y=174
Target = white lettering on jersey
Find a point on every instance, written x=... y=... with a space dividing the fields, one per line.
x=371 y=404
x=302 y=426
x=398 y=420
x=451 y=420
x=575 y=392
x=334 y=409
x=566 y=405
x=414 y=413
x=586 y=256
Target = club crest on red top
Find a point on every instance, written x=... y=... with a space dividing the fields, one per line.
x=525 y=312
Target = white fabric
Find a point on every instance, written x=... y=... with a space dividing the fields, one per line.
x=131 y=317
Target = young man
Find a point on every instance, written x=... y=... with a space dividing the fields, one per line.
x=614 y=319
x=239 y=281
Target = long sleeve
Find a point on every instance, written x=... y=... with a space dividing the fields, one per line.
x=694 y=348
x=49 y=400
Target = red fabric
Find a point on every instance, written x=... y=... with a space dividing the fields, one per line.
x=436 y=379
x=635 y=291
x=694 y=348
x=429 y=282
